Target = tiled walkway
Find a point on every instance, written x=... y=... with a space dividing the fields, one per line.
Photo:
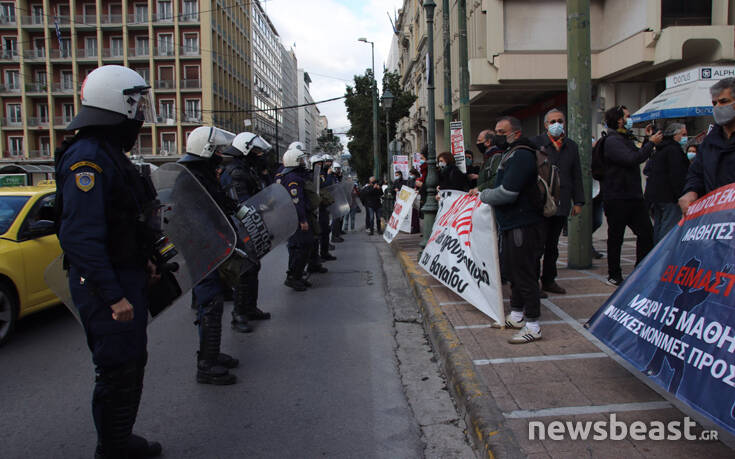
x=565 y=376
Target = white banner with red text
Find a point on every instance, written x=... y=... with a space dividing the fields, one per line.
x=402 y=208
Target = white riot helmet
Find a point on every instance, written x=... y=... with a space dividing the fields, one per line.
x=336 y=165
x=247 y=142
x=205 y=141
x=297 y=146
x=112 y=94
x=327 y=158
x=316 y=159
x=294 y=158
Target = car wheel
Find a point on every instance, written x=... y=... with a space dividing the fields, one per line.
x=8 y=312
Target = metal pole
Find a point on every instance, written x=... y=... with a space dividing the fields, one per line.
x=447 y=72
x=376 y=147
x=579 y=95
x=278 y=153
x=464 y=71
x=430 y=207
x=387 y=145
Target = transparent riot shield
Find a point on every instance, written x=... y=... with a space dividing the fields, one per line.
x=317 y=178
x=190 y=238
x=341 y=205
x=266 y=220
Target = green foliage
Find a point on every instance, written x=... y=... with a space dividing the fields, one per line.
x=360 y=113
x=329 y=143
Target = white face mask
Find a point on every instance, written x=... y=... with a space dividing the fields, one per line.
x=442 y=165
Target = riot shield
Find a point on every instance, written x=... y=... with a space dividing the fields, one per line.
x=193 y=238
x=317 y=178
x=266 y=220
x=341 y=205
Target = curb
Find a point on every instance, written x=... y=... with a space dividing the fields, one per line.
x=485 y=421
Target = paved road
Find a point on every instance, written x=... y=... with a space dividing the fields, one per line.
x=319 y=379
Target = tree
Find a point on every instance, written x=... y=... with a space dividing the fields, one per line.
x=359 y=105
x=329 y=143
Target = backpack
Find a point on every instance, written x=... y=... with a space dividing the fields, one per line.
x=548 y=188
x=597 y=164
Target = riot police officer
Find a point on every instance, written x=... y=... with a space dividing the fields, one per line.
x=244 y=175
x=101 y=204
x=299 y=245
x=337 y=222
x=203 y=156
x=327 y=179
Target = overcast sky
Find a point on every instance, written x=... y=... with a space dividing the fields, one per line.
x=325 y=33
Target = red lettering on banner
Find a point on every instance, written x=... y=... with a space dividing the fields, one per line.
x=669 y=274
x=700 y=279
x=720 y=199
x=459 y=216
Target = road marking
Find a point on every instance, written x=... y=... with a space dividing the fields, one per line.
x=588 y=409
x=541 y=358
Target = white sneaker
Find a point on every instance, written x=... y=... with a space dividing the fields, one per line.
x=525 y=336
x=510 y=323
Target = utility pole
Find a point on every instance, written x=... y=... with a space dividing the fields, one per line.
x=464 y=71
x=376 y=146
x=447 y=57
x=579 y=95
x=430 y=207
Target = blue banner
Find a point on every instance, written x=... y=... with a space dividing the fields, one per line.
x=674 y=317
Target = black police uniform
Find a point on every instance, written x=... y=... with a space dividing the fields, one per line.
x=300 y=243
x=212 y=365
x=100 y=209
x=242 y=174
x=324 y=226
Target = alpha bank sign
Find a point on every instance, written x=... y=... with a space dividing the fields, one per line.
x=700 y=74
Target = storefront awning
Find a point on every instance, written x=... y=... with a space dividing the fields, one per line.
x=692 y=99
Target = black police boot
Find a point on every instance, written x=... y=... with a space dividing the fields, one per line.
x=328 y=256
x=256 y=314
x=317 y=268
x=227 y=361
x=337 y=239
x=239 y=318
x=295 y=283
x=209 y=368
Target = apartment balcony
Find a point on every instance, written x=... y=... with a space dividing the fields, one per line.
x=138 y=20
x=63 y=21
x=166 y=84
x=11 y=123
x=164 y=51
x=170 y=151
x=66 y=88
x=87 y=53
x=141 y=151
x=166 y=18
x=60 y=54
x=110 y=19
x=9 y=54
x=167 y=119
x=36 y=88
x=195 y=118
x=191 y=84
x=34 y=54
x=189 y=18
x=38 y=122
x=139 y=53
x=13 y=89
x=112 y=53
x=61 y=122
x=7 y=22
x=32 y=22
x=85 y=21
x=190 y=51
x=40 y=153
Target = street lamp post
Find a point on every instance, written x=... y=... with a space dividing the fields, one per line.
x=430 y=208
x=376 y=159
x=387 y=100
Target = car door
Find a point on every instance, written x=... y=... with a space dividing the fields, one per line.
x=39 y=246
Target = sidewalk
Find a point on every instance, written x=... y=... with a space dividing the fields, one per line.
x=564 y=377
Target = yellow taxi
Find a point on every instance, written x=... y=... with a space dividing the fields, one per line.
x=28 y=244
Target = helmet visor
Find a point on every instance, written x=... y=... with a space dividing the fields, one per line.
x=146 y=110
x=219 y=140
x=258 y=145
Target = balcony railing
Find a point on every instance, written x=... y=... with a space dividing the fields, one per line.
x=138 y=52
x=38 y=121
x=9 y=54
x=192 y=117
x=88 y=20
x=10 y=122
x=112 y=52
x=14 y=88
x=60 y=54
x=87 y=53
x=61 y=121
x=165 y=84
x=62 y=20
x=168 y=150
x=190 y=50
x=40 y=153
x=36 y=87
x=189 y=17
x=163 y=17
x=6 y=21
x=166 y=118
x=111 y=18
x=33 y=54
x=33 y=20
x=191 y=84
x=141 y=151
x=138 y=19
x=165 y=51
x=63 y=87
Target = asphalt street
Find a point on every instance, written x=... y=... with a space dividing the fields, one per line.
x=318 y=380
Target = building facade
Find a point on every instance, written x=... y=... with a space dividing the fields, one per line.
x=289 y=69
x=308 y=115
x=193 y=53
x=518 y=60
x=267 y=75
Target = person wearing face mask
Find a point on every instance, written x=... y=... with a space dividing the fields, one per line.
x=563 y=153
x=666 y=170
x=621 y=189
x=473 y=170
x=714 y=163
x=691 y=153
x=398 y=182
x=100 y=202
x=491 y=159
x=450 y=177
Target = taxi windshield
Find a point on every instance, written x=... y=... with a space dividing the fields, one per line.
x=10 y=206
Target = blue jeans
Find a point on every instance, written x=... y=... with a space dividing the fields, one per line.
x=349 y=220
x=665 y=216
x=372 y=218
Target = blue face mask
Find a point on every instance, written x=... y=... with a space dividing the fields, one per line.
x=629 y=124
x=468 y=161
x=691 y=155
x=683 y=141
x=421 y=162
x=556 y=129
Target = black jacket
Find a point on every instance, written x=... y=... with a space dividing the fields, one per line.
x=622 y=167
x=570 y=171
x=667 y=171
x=518 y=173
x=370 y=196
x=451 y=178
x=714 y=165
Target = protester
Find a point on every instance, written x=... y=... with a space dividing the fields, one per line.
x=714 y=164
x=450 y=177
x=349 y=219
x=666 y=171
x=691 y=153
x=415 y=212
x=473 y=170
x=398 y=182
x=370 y=196
x=564 y=154
x=621 y=189
x=486 y=176
x=520 y=220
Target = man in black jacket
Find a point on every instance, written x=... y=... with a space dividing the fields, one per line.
x=520 y=220
x=564 y=154
x=621 y=189
x=666 y=171
x=370 y=196
x=714 y=165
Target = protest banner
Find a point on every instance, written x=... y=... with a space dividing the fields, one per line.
x=456 y=138
x=403 y=206
x=673 y=319
x=462 y=252
x=417 y=161
x=400 y=163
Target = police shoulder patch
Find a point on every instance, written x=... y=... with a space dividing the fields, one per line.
x=84 y=180
x=294 y=192
x=295 y=200
x=79 y=164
